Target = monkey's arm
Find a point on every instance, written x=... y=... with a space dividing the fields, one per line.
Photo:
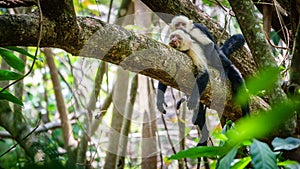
x=198 y=89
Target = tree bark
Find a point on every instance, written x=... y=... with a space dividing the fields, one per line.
x=261 y=52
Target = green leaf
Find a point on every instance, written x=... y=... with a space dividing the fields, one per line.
x=225 y=162
x=262 y=156
x=259 y=126
x=289 y=164
x=9 y=75
x=12 y=60
x=20 y=50
x=242 y=163
x=202 y=151
x=265 y=80
x=5 y=95
x=289 y=143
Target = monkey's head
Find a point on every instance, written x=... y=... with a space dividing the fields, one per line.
x=180 y=40
x=181 y=22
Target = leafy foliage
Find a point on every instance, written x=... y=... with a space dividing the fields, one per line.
x=242 y=163
x=5 y=95
x=9 y=75
x=225 y=161
x=262 y=155
x=236 y=136
x=16 y=63
x=12 y=60
x=289 y=143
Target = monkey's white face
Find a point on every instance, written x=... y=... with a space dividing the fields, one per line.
x=175 y=40
x=180 y=40
x=180 y=25
x=181 y=22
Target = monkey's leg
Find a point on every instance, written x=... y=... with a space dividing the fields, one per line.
x=199 y=87
x=232 y=44
x=199 y=118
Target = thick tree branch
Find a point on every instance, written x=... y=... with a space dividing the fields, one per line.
x=95 y=39
x=16 y=3
x=99 y=40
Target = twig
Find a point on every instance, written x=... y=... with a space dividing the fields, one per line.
x=15 y=145
x=168 y=135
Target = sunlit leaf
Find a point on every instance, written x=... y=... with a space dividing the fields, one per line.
x=225 y=161
x=9 y=75
x=167 y=161
x=265 y=80
x=262 y=156
x=5 y=95
x=20 y=50
x=220 y=136
x=259 y=126
x=242 y=163
x=205 y=151
x=12 y=60
x=289 y=143
x=289 y=164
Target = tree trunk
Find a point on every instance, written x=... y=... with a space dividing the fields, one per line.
x=119 y=100
x=69 y=140
x=127 y=121
x=149 y=129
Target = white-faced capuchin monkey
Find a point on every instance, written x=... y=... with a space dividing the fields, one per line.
x=207 y=48
x=201 y=34
x=182 y=41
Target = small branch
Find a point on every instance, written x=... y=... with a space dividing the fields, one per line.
x=168 y=135
x=41 y=128
x=24 y=138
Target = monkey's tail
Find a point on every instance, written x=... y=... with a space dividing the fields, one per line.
x=232 y=44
